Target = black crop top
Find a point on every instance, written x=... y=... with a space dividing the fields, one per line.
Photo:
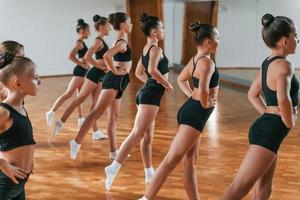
x=162 y=64
x=270 y=95
x=125 y=56
x=214 y=80
x=19 y=134
x=99 y=54
x=82 y=51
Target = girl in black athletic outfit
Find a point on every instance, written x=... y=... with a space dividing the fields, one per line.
x=79 y=73
x=277 y=83
x=17 y=74
x=118 y=61
x=94 y=77
x=193 y=114
x=152 y=70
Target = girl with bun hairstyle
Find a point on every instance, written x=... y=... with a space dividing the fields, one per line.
x=94 y=77
x=118 y=61
x=77 y=80
x=277 y=83
x=17 y=74
x=193 y=114
x=152 y=70
x=12 y=47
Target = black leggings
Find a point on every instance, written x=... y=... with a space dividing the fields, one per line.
x=11 y=191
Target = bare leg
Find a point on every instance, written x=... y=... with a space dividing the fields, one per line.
x=105 y=99
x=256 y=163
x=190 y=172
x=87 y=88
x=75 y=83
x=146 y=146
x=79 y=107
x=263 y=186
x=113 y=114
x=144 y=118
x=184 y=140
x=95 y=96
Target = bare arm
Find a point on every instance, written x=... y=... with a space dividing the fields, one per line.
x=183 y=80
x=254 y=94
x=98 y=44
x=204 y=73
x=155 y=55
x=140 y=72
x=283 y=93
x=108 y=57
x=72 y=55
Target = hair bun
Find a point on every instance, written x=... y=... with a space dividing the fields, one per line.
x=5 y=59
x=96 y=18
x=112 y=18
x=80 y=21
x=267 y=20
x=143 y=17
x=195 y=26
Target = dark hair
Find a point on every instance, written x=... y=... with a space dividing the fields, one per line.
x=274 y=28
x=115 y=19
x=10 y=46
x=12 y=65
x=148 y=23
x=81 y=24
x=99 y=21
x=201 y=31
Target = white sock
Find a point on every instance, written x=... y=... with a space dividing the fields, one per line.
x=49 y=117
x=80 y=121
x=111 y=172
x=149 y=172
x=74 y=149
x=98 y=135
x=58 y=126
x=113 y=155
x=143 y=198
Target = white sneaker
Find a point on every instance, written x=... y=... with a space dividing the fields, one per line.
x=80 y=121
x=143 y=198
x=110 y=176
x=49 y=117
x=74 y=149
x=58 y=126
x=98 y=135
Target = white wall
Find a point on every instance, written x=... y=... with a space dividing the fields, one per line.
x=47 y=28
x=173 y=21
x=239 y=23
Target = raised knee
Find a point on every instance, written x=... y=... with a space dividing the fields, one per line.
x=138 y=132
x=241 y=187
x=172 y=160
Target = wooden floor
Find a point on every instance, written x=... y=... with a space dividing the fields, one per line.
x=224 y=143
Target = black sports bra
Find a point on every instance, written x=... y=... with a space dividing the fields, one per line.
x=125 y=56
x=162 y=64
x=82 y=51
x=99 y=54
x=270 y=96
x=214 y=80
x=19 y=134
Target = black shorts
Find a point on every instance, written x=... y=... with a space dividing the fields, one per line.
x=95 y=75
x=11 y=191
x=268 y=131
x=193 y=114
x=119 y=83
x=150 y=94
x=79 y=71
